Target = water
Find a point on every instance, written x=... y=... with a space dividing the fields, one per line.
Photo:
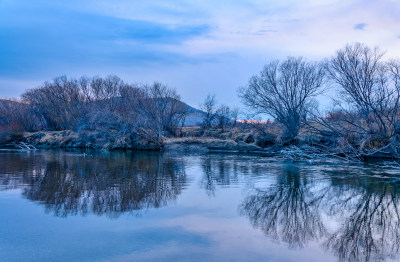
x=102 y=206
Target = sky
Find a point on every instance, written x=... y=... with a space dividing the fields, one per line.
x=197 y=47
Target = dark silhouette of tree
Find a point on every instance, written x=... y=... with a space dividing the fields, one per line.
x=367 y=117
x=209 y=107
x=109 y=107
x=284 y=90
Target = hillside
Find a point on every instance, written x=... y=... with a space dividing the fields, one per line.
x=194 y=116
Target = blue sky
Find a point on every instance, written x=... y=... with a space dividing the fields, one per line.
x=198 y=47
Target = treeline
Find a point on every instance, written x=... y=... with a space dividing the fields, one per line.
x=109 y=106
x=218 y=116
x=109 y=110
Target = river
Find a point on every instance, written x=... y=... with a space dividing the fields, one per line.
x=138 y=206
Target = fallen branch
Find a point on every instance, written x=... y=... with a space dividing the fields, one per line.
x=311 y=153
x=21 y=146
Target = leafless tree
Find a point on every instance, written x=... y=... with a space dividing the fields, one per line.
x=108 y=107
x=369 y=97
x=235 y=115
x=17 y=117
x=284 y=90
x=209 y=107
x=223 y=116
x=60 y=102
x=161 y=111
x=11 y=116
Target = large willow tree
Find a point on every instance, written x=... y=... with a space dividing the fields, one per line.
x=285 y=91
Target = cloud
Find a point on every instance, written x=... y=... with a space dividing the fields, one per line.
x=360 y=26
x=217 y=44
x=62 y=39
x=39 y=43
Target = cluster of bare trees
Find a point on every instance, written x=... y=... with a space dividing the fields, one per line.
x=12 y=116
x=368 y=101
x=107 y=105
x=365 y=118
x=218 y=116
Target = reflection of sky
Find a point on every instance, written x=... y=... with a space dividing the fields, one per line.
x=196 y=46
x=260 y=209
x=198 y=227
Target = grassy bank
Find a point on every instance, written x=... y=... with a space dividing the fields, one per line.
x=309 y=145
x=217 y=140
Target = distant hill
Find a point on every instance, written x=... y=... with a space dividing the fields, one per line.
x=194 y=116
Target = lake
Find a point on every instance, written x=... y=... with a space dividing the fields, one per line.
x=139 y=206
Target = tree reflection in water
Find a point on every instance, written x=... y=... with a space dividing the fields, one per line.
x=287 y=211
x=364 y=205
x=218 y=171
x=371 y=227
x=68 y=184
x=351 y=211
x=223 y=171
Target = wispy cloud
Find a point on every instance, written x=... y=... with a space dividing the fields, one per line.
x=360 y=26
x=66 y=37
x=217 y=44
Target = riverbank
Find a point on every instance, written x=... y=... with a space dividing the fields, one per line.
x=233 y=142
x=70 y=139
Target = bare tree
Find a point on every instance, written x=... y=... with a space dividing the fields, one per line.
x=209 y=108
x=368 y=103
x=235 y=115
x=223 y=116
x=284 y=90
x=60 y=102
x=12 y=116
x=161 y=111
x=108 y=108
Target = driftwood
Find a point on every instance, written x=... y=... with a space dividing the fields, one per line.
x=21 y=146
x=307 y=152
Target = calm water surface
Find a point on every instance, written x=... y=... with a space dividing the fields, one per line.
x=99 y=206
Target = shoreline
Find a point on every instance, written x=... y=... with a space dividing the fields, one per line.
x=71 y=140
